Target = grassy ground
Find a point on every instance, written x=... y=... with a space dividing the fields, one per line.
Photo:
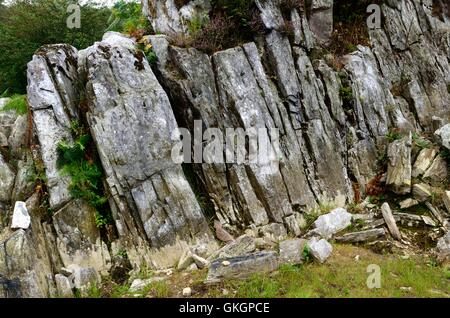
x=341 y=276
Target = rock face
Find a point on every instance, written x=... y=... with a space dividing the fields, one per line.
x=333 y=115
x=132 y=123
x=399 y=167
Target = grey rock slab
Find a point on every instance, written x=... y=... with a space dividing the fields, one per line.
x=423 y=161
x=361 y=236
x=291 y=251
x=443 y=135
x=390 y=221
x=331 y=223
x=20 y=219
x=6 y=180
x=242 y=267
x=399 y=166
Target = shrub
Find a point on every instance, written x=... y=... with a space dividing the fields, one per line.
x=26 y=25
x=17 y=103
x=127 y=17
x=346 y=93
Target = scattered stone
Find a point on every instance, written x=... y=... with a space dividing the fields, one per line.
x=438 y=216
x=291 y=251
x=320 y=249
x=390 y=221
x=331 y=223
x=192 y=267
x=276 y=231
x=423 y=161
x=357 y=258
x=362 y=236
x=406 y=288
x=428 y=221
x=139 y=284
x=21 y=219
x=83 y=277
x=243 y=245
x=399 y=166
x=63 y=286
x=221 y=233
x=446 y=199
x=373 y=224
x=187 y=292
x=437 y=172
x=407 y=203
x=225 y=263
x=225 y=292
x=443 y=136
x=185 y=260
x=242 y=267
x=65 y=271
x=200 y=261
x=421 y=192
x=443 y=244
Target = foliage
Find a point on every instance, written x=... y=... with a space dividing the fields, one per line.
x=26 y=25
x=17 y=103
x=127 y=17
x=346 y=93
x=306 y=254
x=393 y=135
x=76 y=160
x=420 y=142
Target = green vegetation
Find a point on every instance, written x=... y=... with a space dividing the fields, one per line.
x=341 y=276
x=346 y=93
x=78 y=161
x=127 y=17
x=26 y=25
x=421 y=142
x=393 y=135
x=17 y=103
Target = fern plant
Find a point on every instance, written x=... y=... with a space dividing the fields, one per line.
x=76 y=161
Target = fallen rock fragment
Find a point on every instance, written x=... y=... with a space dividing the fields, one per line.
x=242 y=267
x=200 y=261
x=291 y=251
x=446 y=199
x=421 y=192
x=320 y=249
x=331 y=223
x=20 y=219
x=243 y=245
x=390 y=221
x=221 y=233
x=63 y=286
x=423 y=161
x=407 y=203
x=139 y=284
x=187 y=292
x=399 y=166
x=443 y=136
x=361 y=236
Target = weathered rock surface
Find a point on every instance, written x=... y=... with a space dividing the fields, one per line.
x=6 y=180
x=152 y=198
x=291 y=251
x=21 y=218
x=421 y=191
x=423 y=161
x=331 y=223
x=320 y=249
x=443 y=135
x=390 y=221
x=361 y=236
x=399 y=166
x=242 y=267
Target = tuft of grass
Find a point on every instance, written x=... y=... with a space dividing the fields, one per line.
x=421 y=142
x=17 y=103
x=346 y=93
x=393 y=135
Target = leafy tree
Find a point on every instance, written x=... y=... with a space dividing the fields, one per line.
x=26 y=25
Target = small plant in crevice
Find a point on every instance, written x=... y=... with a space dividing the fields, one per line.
x=346 y=94
x=78 y=160
x=18 y=103
x=306 y=254
x=420 y=142
x=393 y=135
